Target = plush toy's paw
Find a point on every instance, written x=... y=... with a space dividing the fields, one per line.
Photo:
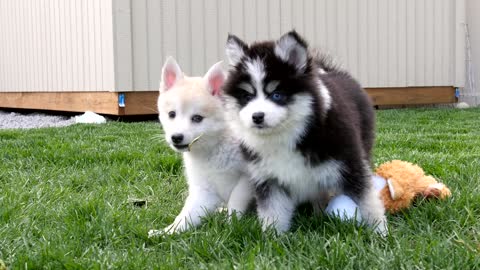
x=437 y=190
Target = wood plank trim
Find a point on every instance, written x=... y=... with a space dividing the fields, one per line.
x=145 y=102
x=100 y=102
x=412 y=95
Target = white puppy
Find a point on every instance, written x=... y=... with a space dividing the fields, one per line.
x=192 y=118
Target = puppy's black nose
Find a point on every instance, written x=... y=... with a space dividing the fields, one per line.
x=258 y=117
x=177 y=138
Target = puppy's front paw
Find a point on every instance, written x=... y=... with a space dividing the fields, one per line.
x=170 y=229
x=381 y=228
x=154 y=233
x=173 y=228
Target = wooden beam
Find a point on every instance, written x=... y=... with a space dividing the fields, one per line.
x=412 y=95
x=99 y=102
x=145 y=102
x=139 y=103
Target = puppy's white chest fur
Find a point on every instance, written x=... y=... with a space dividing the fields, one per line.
x=217 y=170
x=293 y=171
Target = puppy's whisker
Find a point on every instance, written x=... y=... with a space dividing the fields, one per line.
x=194 y=141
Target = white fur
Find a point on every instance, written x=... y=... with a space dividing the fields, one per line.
x=234 y=52
x=289 y=50
x=214 y=78
x=343 y=207
x=276 y=146
x=215 y=170
x=289 y=167
x=378 y=182
x=274 y=114
x=272 y=86
x=326 y=98
x=256 y=69
x=279 y=158
x=372 y=211
x=247 y=87
x=321 y=71
x=171 y=66
x=286 y=124
x=277 y=211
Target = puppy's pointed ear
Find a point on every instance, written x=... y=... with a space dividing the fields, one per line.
x=292 y=49
x=215 y=77
x=171 y=74
x=235 y=49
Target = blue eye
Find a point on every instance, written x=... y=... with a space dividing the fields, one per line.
x=276 y=96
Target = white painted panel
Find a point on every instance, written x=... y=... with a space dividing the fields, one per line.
x=224 y=25
x=249 y=19
x=309 y=19
x=140 y=46
x=56 y=45
x=352 y=34
x=330 y=15
x=296 y=11
x=321 y=23
x=120 y=45
x=108 y=52
x=401 y=42
x=362 y=44
x=262 y=25
x=198 y=47
x=286 y=22
x=460 y=20
x=384 y=55
x=236 y=18
x=274 y=18
x=169 y=27
x=341 y=35
x=373 y=43
x=429 y=42
x=183 y=36
x=471 y=92
x=212 y=47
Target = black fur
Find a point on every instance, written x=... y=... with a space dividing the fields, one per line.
x=264 y=188
x=248 y=154
x=345 y=133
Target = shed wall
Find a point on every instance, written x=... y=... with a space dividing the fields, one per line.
x=384 y=43
x=56 y=45
x=120 y=45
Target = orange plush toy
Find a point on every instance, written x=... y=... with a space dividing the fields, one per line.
x=400 y=182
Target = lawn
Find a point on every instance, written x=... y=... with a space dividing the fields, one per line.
x=64 y=203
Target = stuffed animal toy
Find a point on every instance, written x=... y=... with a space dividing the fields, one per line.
x=398 y=183
x=404 y=182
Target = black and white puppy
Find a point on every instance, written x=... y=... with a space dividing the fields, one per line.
x=306 y=128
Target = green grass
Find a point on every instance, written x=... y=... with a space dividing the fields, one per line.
x=64 y=204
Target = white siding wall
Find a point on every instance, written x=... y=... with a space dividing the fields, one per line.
x=77 y=45
x=384 y=43
x=471 y=93
x=56 y=45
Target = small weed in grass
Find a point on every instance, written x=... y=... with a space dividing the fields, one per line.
x=64 y=203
